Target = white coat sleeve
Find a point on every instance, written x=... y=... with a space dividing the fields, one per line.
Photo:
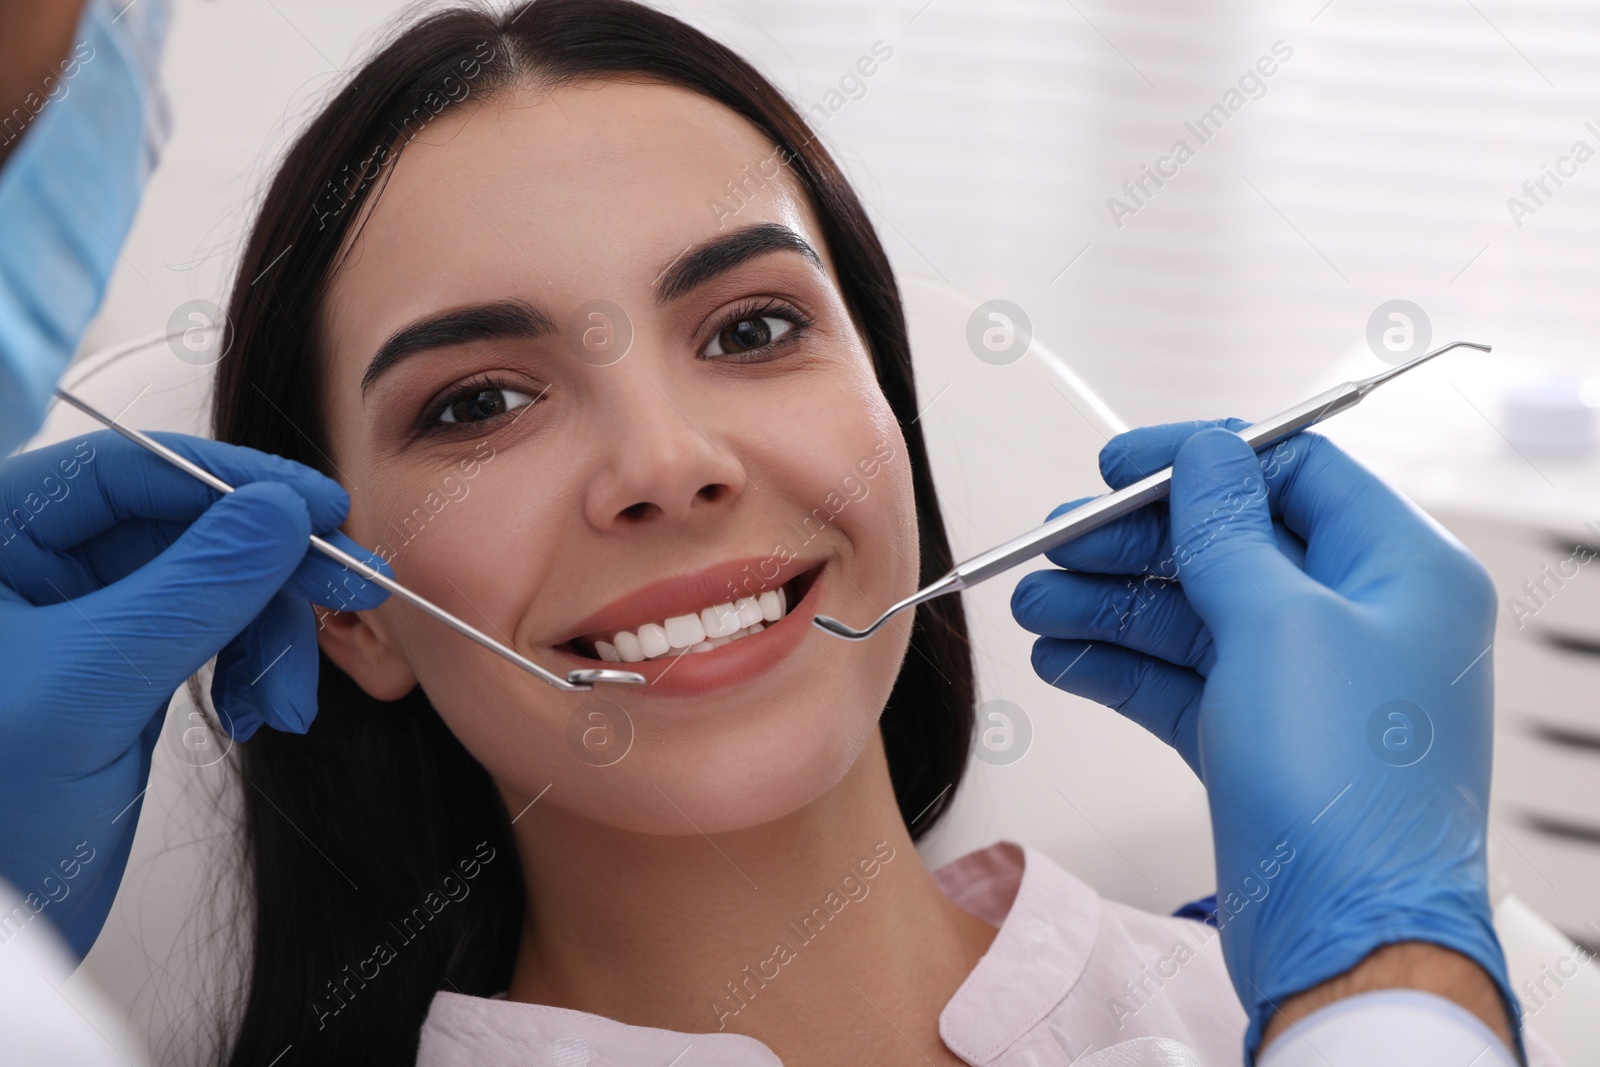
x=44 y=1022
x=1389 y=1028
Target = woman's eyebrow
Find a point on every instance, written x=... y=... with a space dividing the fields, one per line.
x=481 y=322
x=519 y=319
x=705 y=261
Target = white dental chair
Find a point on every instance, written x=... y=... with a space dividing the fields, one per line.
x=1008 y=441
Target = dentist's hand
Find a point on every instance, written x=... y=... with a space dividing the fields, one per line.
x=1326 y=675
x=120 y=576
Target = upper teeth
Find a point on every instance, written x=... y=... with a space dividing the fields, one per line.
x=712 y=628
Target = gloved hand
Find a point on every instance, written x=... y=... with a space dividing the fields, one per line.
x=120 y=576
x=1327 y=677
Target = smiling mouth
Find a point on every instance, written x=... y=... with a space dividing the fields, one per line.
x=710 y=628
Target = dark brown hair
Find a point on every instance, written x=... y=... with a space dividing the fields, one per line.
x=351 y=826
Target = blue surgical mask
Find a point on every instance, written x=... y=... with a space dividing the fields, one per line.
x=87 y=139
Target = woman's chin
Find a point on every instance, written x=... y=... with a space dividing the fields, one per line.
x=717 y=741
x=676 y=780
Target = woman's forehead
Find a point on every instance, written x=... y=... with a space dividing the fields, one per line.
x=579 y=192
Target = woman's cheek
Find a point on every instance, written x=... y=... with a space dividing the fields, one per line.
x=475 y=553
x=887 y=514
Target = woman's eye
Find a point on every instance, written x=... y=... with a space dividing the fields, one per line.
x=483 y=404
x=748 y=334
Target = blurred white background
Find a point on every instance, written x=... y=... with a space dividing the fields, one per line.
x=1375 y=163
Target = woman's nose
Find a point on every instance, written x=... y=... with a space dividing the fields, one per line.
x=666 y=459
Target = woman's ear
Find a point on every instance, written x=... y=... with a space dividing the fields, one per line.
x=365 y=653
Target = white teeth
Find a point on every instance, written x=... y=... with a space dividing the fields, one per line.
x=685 y=630
x=628 y=647
x=653 y=640
x=720 y=621
x=711 y=628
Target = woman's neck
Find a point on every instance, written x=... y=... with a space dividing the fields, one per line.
x=820 y=934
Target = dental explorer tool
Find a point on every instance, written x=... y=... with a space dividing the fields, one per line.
x=575 y=681
x=1102 y=510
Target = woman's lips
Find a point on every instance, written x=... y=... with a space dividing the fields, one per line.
x=684 y=673
x=688 y=593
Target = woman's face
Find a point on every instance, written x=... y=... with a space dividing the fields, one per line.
x=588 y=372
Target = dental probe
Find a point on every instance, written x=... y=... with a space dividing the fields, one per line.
x=1102 y=510
x=575 y=681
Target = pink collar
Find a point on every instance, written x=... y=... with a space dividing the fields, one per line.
x=1047 y=923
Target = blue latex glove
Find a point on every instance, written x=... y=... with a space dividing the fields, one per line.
x=120 y=576
x=1328 y=678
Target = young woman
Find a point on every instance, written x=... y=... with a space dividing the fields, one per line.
x=612 y=364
